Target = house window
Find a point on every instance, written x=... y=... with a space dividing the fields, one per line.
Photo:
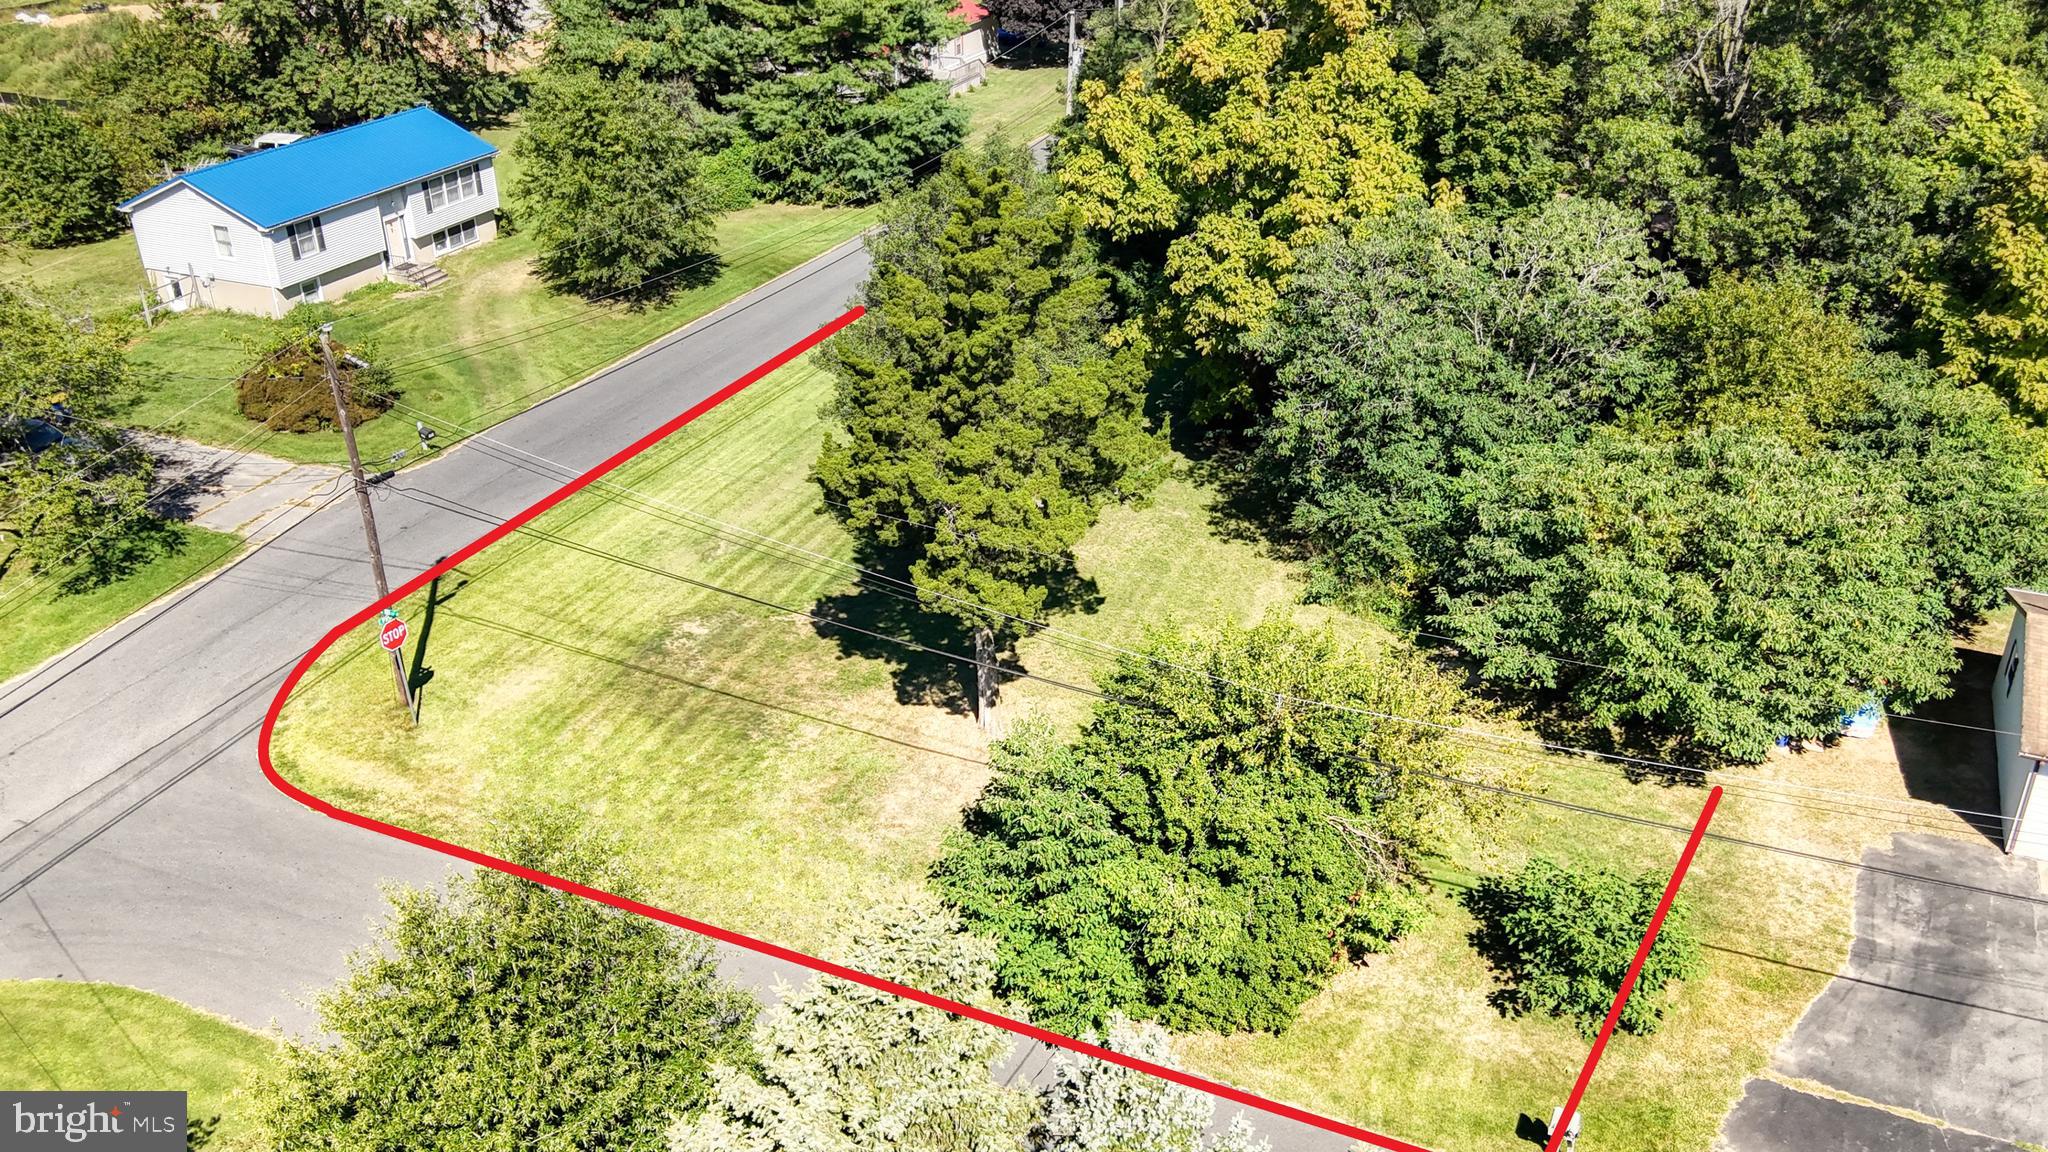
x=306 y=293
x=451 y=187
x=220 y=241
x=455 y=236
x=306 y=237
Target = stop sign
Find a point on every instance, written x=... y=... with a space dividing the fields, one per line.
x=392 y=635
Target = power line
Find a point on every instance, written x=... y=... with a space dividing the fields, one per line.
x=1451 y=730
x=547 y=536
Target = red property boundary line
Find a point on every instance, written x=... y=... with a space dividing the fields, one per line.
x=815 y=963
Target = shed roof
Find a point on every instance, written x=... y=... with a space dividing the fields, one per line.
x=278 y=185
x=2034 y=708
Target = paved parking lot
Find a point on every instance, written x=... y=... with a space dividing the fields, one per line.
x=1941 y=1011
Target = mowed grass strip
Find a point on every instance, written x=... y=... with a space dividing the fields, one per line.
x=73 y=1036
x=1019 y=104
x=773 y=773
x=40 y=616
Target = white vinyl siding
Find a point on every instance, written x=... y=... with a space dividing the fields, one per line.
x=424 y=219
x=346 y=235
x=176 y=231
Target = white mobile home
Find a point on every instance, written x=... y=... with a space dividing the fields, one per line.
x=318 y=217
x=2019 y=710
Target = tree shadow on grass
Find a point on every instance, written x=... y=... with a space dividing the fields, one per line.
x=931 y=653
x=687 y=271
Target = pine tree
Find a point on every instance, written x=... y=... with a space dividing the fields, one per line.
x=985 y=421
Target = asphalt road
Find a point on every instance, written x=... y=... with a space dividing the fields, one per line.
x=139 y=842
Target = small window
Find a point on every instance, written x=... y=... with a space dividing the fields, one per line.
x=455 y=236
x=309 y=292
x=221 y=243
x=306 y=237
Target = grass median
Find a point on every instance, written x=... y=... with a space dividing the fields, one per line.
x=68 y=1035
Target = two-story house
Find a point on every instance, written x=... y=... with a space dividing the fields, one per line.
x=318 y=217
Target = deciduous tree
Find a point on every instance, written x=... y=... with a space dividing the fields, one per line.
x=1430 y=338
x=58 y=182
x=609 y=186
x=1565 y=939
x=505 y=1015
x=75 y=490
x=1233 y=824
x=1254 y=133
x=1096 y=1106
x=1705 y=595
x=841 y=1067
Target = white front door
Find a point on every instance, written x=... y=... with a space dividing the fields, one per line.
x=397 y=245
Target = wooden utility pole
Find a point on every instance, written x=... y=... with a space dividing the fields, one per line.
x=355 y=467
x=1073 y=57
x=985 y=678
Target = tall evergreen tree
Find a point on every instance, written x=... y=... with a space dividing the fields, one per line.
x=609 y=186
x=985 y=420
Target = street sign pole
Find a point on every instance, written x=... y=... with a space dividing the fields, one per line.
x=355 y=467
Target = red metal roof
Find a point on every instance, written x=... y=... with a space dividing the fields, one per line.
x=969 y=11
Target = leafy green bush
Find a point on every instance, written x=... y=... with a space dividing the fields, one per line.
x=726 y=182
x=1565 y=939
x=1204 y=855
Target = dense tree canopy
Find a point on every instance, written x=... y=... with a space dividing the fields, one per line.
x=1213 y=845
x=172 y=93
x=1433 y=338
x=504 y=1015
x=609 y=186
x=832 y=94
x=328 y=63
x=1715 y=591
x=984 y=421
x=58 y=180
x=1237 y=147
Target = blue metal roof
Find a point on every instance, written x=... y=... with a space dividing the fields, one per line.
x=278 y=185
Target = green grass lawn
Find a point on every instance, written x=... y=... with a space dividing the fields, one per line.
x=1021 y=103
x=48 y=60
x=43 y=619
x=102 y=279
x=72 y=1036
x=773 y=774
x=487 y=344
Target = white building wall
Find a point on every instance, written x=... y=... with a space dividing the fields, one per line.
x=2026 y=829
x=424 y=223
x=353 y=231
x=175 y=231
